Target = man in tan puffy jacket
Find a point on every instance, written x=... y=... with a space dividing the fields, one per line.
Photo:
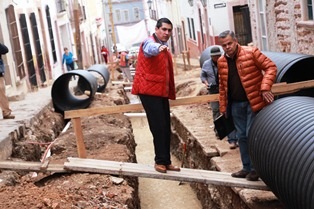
x=246 y=76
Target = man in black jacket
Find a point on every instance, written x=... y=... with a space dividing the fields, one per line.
x=4 y=102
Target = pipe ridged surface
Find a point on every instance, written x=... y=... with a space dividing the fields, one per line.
x=281 y=146
x=293 y=68
x=62 y=94
x=102 y=76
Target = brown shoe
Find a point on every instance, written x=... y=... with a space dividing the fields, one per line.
x=161 y=168
x=252 y=176
x=240 y=174
x=9 y=117
x=172 y=168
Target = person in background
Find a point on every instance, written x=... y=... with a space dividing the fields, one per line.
x=105 y=53
x=4 y=102
x=124 y=65
x=246 y=76
x=154 y=84
x=209 y=77
x=68 y=59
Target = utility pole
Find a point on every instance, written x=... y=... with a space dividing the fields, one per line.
x=76 y=14
x=113 y=35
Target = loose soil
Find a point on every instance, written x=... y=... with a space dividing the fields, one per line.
x=106 y=137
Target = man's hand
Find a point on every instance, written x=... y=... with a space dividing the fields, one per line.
x=268 y=96
x=162 y=47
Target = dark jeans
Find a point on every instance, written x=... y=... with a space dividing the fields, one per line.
x=70 y=66
x=158 y=115
x=243 y=117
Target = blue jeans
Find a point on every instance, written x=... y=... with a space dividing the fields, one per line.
x=232 y=137
x=243 y=117
x=215 y=109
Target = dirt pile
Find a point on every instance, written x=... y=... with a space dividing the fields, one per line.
x=107 y=137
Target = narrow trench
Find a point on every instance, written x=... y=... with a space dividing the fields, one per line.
x=159 y=193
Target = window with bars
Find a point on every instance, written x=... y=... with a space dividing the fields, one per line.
x=126 y=15
x=61 y=6
x=16 y=45
x=136 y=13
x=191 y=28
x=118 y=15
x=50 y=32
x=310 y=9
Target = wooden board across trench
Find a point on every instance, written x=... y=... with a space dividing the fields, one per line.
x=148 y=171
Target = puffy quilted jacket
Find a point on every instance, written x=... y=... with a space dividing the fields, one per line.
x=257 y=73
x=154 y=75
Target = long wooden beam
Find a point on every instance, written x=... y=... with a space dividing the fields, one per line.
x=134 y=169
x=32 y=166
x=134 y=107
x=277 y=89
x=148 y=171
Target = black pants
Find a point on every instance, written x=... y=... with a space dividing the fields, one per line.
x=158 y=115
x=70 y=66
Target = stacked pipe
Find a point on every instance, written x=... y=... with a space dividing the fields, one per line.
x=94 y=79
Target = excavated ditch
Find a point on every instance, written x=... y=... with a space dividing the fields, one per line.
x=110 y=137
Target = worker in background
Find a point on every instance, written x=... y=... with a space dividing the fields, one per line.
x=209 y=77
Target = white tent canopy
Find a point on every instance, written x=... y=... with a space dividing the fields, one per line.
x=136 y=33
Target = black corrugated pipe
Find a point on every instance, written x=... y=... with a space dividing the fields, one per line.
x=293 y=68
x=281 y=146
x=66 y=97
x=102 y=75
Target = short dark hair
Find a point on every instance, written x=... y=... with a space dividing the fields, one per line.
x=227 y=33
x=163 y=20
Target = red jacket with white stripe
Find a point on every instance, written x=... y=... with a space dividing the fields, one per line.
x=154 y=75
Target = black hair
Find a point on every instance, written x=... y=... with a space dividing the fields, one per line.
x=227 y=33
x=163 y=20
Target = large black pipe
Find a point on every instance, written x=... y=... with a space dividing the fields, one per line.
x=102 y=75
x=281 y=146
x=293 y=68
x=64 y=96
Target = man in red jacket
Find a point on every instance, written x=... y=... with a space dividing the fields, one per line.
x=154 y=84
x=246 y=76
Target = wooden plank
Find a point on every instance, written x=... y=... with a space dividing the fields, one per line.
x=121 y=82
x=148 y=171
x=278 y=88
x=102 y=110
x=32 y=166
x=135 y=107
x=76 y=122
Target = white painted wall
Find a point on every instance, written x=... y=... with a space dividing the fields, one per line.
x=218 y=17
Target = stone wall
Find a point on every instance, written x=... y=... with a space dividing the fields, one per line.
x=286 y=30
